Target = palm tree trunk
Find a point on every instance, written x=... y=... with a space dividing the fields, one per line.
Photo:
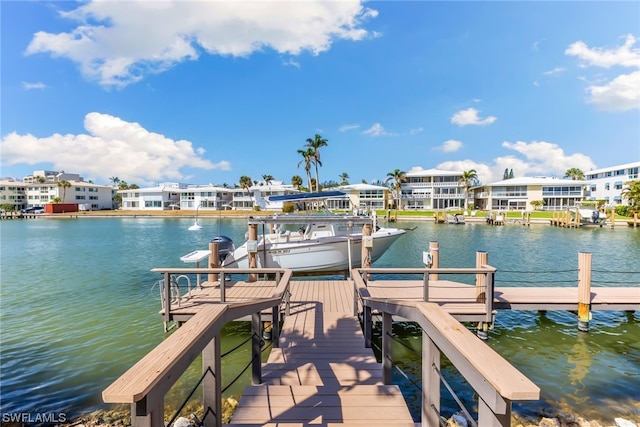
x=317 y=181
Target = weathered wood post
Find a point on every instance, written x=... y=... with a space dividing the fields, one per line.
x=252 y=246
x=387 y=361
x=367 y=245
x=212 y=382
x=635 y=219
x=613 y=217
x=584 y=290
x=430 y=382
x=166 y=316
x=482 y=258
x=214 y=260
x=434 y=250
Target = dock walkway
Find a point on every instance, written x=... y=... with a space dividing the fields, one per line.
x=322 y=373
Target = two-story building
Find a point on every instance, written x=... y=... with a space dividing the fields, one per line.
x=360 y=196
x=173 y=195
x=259 y=195
x=518 y=193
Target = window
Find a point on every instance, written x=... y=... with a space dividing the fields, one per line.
x=633 y=173
x=606 y=186
x=152 y=204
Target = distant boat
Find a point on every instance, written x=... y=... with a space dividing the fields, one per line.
x=587 y=216
x=455 y=219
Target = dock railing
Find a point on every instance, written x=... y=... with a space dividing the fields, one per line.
x=145 y=384
x=496 y=382
x=484 y=286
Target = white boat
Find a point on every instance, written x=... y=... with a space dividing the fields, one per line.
x=312 y=243
x=588 y=216
x=455 y=219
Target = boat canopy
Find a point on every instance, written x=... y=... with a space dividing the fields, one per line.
x=303 y=197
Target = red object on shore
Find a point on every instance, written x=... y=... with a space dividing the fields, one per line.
x=60 y=207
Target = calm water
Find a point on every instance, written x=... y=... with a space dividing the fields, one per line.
x=77 y=308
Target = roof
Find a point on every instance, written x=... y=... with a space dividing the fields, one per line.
x=433 y=172
x=322 y=195
x=362 y=186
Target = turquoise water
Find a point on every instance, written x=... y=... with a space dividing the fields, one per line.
x=77 y=307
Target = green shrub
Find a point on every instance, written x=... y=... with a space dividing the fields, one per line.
x=288 y=207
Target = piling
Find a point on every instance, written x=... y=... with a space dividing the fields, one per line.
x=584 y=290
x=434 y=250
x=482 y=258
x=367 y=245
x=214 y=260
x=613 y=218
x=252 y=246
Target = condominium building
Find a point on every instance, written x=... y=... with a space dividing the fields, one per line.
x=45 y=187
x=608 y=183
x=518 y=194
x=259 y=195
x=360 y=196
x=173 y=195
x=432 y=189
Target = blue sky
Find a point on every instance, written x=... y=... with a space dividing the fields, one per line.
x=204 y=92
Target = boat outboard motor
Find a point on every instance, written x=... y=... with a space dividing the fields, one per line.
x=225 y=247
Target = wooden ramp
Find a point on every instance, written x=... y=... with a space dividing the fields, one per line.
x=322 y=374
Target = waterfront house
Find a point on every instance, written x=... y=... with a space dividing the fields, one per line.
x=360 y=196
x=432 y=189
x=608 y=183
x=258 y=195
x=173 y=195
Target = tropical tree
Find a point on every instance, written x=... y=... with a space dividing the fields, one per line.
x=344 y=178
x=133 y=187
x=505 y=175
x=398 y=177
x=316 y=143
x=123 y=185
x=41 y=179
x=307 y=159
x=64 y=184
x=246 y=183
x=467 y=179
x=267 y=179
x=56 y=200
x=632 y=193
x=115 y=180
x=575 y=174
x=536 y=204
x=296 y=180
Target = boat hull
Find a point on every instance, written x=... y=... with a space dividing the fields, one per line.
x=315 y=255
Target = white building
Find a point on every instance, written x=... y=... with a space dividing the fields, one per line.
x=360 y=196
x=518 y=193
x=172 y=195
x=45 y=187
x=432 y=189
x=608 y=183
x=259 y=194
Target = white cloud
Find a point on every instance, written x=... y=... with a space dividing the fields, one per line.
x=415 y=131
x=536 y=158
x=111 y=147
x=346 y=128
x=450 y=146
x=624 y=55
x=470 y=117
x=556 y=70
x=291 y=62
x=117 y=43
x=377 y=130
x=35 y=85
x=620 y=93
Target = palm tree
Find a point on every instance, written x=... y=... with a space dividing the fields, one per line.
x=115 y=180
x=467 y=179
x=64 y=184
x=344 y=178
x=308 y=158
x=398 y=177
x=267 y=179
x=632 y=193
x=575 y=174
x=316 y=143
x=296 y=180
x=123 y=185
x=246 y=183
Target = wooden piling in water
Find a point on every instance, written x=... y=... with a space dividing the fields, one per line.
x=434 y=250
x=584 y=291
x=482 y=258
x=214 y=260
x=253 y=254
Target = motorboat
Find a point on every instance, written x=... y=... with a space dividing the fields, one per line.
x=312 y=243
x=455 y=219
x=587 y=216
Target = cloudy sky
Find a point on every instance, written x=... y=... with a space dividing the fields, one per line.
x=204 y=92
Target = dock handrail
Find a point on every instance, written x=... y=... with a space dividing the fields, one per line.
x=145 y=384
x=494 y=379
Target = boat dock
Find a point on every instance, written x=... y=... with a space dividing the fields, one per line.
x=321 y=369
